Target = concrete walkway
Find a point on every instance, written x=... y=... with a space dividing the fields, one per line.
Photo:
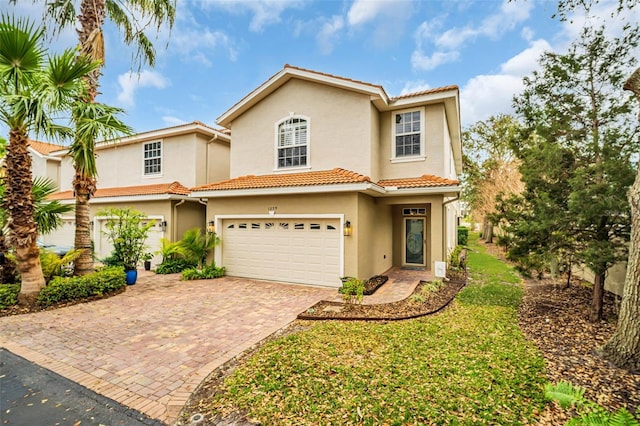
x=151 y=346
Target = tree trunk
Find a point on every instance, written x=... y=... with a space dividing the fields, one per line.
x=489 y=232
x=18 y=203
x=91 y=18
x=597 y=297
x=83 y=190
x=623 y=349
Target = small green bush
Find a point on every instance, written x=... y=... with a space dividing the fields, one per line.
x=352 y=290
x=463 y=235
x=173 y=266
x=207 y=273
x=457 y=261
x=9 y=295
x=102 y=282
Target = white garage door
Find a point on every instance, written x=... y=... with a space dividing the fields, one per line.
x=63 y=236
x=303 y=251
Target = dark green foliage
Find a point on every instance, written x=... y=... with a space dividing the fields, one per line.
x=126 y=230
x=175 y=265
x=352 y=290
x=209 y=272
x=102 y=282
x=8 y=295
x=589 y=413
x=463 y=235
x=576 y=156
x=458 y=258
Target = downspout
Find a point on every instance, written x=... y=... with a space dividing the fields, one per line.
x=174 y=220
x=444 y=224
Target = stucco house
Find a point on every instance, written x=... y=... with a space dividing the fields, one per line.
x=151 y=172
x=331 y=177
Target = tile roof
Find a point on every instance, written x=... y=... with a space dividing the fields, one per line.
x=44 y=147
x=174 y=188
x=377 y=86
x=426 y=92
x=418 y=182
x=326 y=177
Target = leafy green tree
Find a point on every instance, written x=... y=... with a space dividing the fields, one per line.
x=491 y=168
x=128 y=233
x=132 y=18
x=572 y=106
x=32 y=87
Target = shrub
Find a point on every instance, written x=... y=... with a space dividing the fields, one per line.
x=9 y=295
x=173 y=266
x=56 y=266
x=589 y=413
x=352 y=290
x=463 y=235
x=456 y=259
x=126 y=230
x=61 y=289
x=207 y=273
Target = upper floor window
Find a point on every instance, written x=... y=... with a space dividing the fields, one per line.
x=408 y=134
x=152 y=158
x=293 y=142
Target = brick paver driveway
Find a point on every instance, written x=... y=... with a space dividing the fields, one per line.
x=151 y=346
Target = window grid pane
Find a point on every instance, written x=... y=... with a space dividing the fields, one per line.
x=152 y=158
x=408 y=134
x=292 y=143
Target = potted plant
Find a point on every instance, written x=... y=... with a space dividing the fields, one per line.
x=128 y=234
x=147 y=260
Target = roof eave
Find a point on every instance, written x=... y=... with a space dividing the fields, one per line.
x=131 y=198
x=425 y=190
x=289 y=190
x=378 y=95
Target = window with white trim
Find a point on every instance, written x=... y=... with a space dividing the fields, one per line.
x=152 y=153
x=408 y=134
x=293 y=143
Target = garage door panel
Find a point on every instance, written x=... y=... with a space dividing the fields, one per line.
x=298 y=250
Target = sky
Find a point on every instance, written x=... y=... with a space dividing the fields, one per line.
x=220 y=50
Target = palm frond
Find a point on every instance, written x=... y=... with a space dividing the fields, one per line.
x=47 y=212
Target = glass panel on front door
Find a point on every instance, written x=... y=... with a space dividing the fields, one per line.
x=414 y=241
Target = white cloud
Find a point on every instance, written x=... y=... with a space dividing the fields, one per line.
x=170 y=121
x=265 y=12
x=199 y=44
x=487 y=95
x=414 y=87
x=130 y=83
x=423 y=62
x=363 y=11
x=447 y=44
x=329 y=33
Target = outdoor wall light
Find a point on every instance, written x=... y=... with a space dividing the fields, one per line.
x=211 y=227
x=91 y=225
x=163 y=225
x=348 y=230
x=272 y=211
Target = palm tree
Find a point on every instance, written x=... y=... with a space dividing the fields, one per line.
x=131 y=17
x=32 y=87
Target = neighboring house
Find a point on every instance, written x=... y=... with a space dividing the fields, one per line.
x=331 y=177
x=43 y=164
x=150 y=172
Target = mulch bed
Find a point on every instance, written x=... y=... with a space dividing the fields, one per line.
x=374 y=283
x=402 y=309
x=555 y=318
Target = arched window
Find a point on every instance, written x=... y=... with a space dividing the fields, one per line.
x=293 y=142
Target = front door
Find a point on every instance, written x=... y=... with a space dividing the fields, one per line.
x=414 y=241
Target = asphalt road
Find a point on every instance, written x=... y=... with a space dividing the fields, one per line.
x=34 y=396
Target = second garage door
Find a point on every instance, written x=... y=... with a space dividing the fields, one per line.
x=303 y=251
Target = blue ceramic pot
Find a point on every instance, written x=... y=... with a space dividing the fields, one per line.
x=132 y=276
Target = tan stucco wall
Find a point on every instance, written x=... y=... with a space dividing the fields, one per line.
x=339 y=129
x=374 y=237
x=218 y=160
x=614 y=281
x=184 y=160
x=187 y=216
x=435 y=162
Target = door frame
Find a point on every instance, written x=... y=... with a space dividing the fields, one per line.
x=424 y=241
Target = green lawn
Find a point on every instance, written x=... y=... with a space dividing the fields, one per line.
x=467 y=365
